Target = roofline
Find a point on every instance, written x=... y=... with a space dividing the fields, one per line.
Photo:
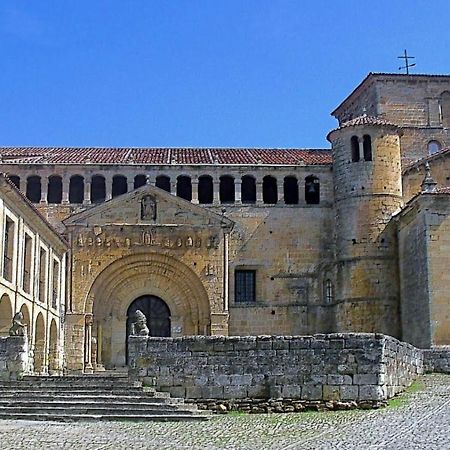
x=383 y=75
x=12 y=187
x=419 y=162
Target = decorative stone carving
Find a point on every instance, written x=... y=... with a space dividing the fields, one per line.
x=139 y=326
x=148 y=208
x=18 y=328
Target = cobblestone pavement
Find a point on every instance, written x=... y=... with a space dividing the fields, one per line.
x=417 y=420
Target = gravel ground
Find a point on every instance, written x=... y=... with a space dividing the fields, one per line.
x=419 y=419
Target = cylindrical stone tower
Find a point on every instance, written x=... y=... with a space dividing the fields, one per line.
x=368 y=191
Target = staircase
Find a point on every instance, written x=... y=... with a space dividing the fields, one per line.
x=91 y=397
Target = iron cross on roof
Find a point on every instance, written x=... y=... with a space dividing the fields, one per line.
x=406 y=57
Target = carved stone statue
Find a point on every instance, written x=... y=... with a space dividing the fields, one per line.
x=139 y=326
x=148 y=208
x=18 y=328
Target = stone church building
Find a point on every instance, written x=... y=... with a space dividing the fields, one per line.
x=224 y=241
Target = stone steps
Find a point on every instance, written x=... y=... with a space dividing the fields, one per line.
x=90 y=397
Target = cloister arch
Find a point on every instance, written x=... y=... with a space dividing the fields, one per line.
x=6 y=314
x=39 y=344
x=26 y=319
x=138 y=275
x=53 y=363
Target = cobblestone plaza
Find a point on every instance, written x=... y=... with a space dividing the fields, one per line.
x=416 y=420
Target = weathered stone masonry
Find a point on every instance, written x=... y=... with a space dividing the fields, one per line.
x=334 y=367
x=14 y=354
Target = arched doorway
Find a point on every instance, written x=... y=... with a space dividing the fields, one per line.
x=6 y=315
x=53 y=363
x=157 y=313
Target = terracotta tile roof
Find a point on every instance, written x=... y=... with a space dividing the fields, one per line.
x=163 y=156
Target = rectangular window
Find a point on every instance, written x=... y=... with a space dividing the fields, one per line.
x=8 y=251
x=27 y=257
x=43 y=276
x=245 y=286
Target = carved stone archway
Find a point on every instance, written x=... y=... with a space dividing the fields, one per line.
x=137 y=275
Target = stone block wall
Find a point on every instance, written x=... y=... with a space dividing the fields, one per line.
x=357 y=367
x=14 y=356
x=437 y=359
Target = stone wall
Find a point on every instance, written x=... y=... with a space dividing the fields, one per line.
x=353 y=367
x=437 y=359
x=14 y=361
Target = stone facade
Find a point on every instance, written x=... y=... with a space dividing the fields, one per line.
x=333 y=367
x=242 y=242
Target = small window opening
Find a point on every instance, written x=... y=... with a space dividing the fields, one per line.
x=8 y=249
x=98 y=189
x=248 y=189
x=329 y=291
x=312 y=190
x=226 y=189
x=139 y=181
x=76 y=189
x=205 y=189
x=119 y=185
x=184 y=187
x=367 y=147
x=54 y=192
x=434 y=147
x=355 y=148
x=270 y=190
x=33 y=191
x=15 y=180
x=290 y=188
x=245 y=286
x=163 y=182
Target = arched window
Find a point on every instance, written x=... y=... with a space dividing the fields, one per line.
x=15 y=180
x=367 y=147
x=226 y=189
x=329 y=291
x=184 y=187
x=205 y=189
x=140 y=180
x=312 y=190
x=270 y=192
x=119 y=185
x=54 y=193
x=355 y=148
x=33 y=192
x=445 y=109
x=248 y=189
x=163 y=182
x=290 y=189
x=433 y=147
x=98 y=189
x=76 y=189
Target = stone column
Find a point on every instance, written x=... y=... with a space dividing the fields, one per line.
x=259 y=191
x=130 y=184
x=88 y=345
x=216 y=191
x=238 y=191
x=87 y=191
x=361 y=149
x=173 y=187
x=65 y=189
x=44 y=189
x=194 y=191
x=280 y=191
x=108 y=188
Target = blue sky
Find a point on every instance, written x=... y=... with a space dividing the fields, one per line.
x=200 y=73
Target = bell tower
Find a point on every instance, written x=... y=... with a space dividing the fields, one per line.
x=368 y=191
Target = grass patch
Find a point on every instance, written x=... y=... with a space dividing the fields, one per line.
x=236 y=413
x=405 y=396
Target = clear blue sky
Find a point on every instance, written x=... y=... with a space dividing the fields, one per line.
x=258 y=73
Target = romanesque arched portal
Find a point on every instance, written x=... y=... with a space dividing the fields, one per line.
x=135 y=276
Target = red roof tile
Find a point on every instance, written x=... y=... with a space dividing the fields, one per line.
x=163 y=156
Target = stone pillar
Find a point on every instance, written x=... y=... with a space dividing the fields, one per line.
x=130 y=184
x=238 y=191
x=280 y=192
x=259 y=191
x=216 y=191
x=88 y=345
x=195 y=191
x=108 y=188
x=65 y=189
x=44 y=189
x=361 y=149
x=87 y=191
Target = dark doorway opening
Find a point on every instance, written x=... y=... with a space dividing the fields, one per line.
x=157 y=313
